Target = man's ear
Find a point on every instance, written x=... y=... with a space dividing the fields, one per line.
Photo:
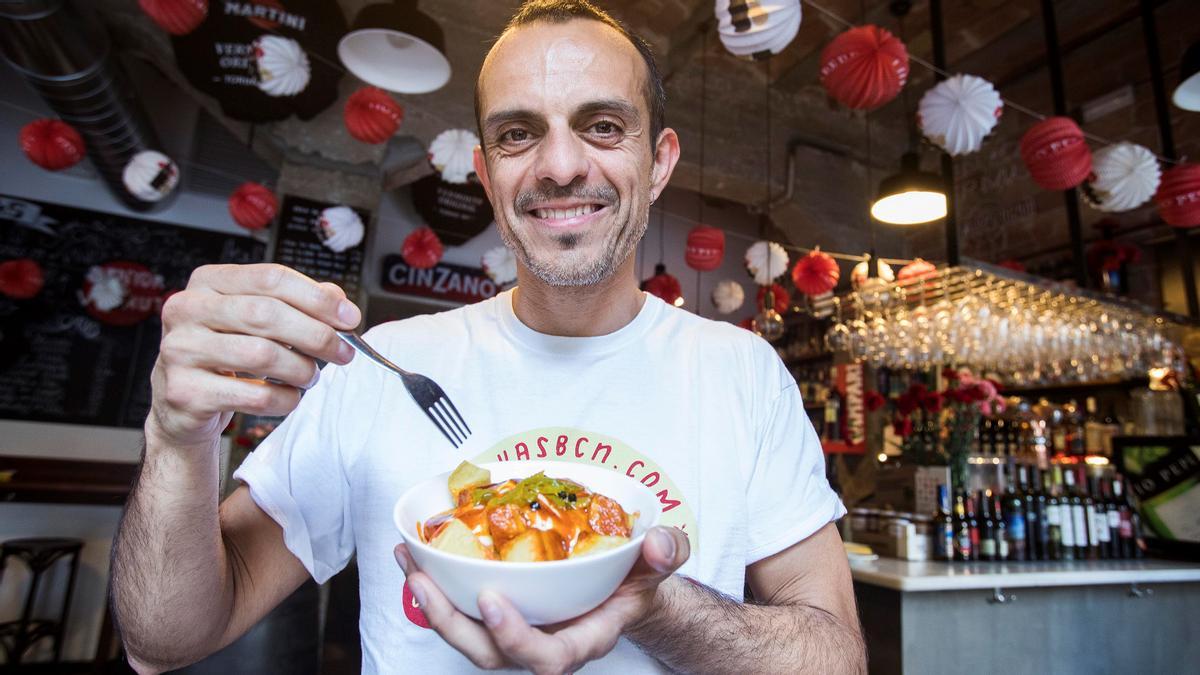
x=481 y=170
x=666 y=156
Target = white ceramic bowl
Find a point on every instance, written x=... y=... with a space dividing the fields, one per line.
x=544 y=592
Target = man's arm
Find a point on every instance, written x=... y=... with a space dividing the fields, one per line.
x=807 y=621
x=190 y=576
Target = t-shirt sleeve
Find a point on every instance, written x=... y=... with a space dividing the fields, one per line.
x=297 y=476
x=788 y=495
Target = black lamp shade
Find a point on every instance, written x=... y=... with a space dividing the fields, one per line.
x=395 y=46
x=911 y=196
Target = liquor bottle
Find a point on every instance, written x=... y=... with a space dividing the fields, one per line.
x=1014 y=515
x=1093 y=429
x=1114 y=518
x=1125 y=514
x=962 y=530
x=1012 y=444
x=1073 y=418
x=1003 y=537
x=987 y=527
x=1100 y=521
x=1079 y=515
x=1065 y=481
x=999 y=433
x=1089 y=514
x=1053 y=520
x=1035 y=512
x=943 y=527
x=973 y=527
x=832 y=416
x=1029 y=506
x=1111 y=427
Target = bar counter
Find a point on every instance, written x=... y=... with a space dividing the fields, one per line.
x=1103 y=616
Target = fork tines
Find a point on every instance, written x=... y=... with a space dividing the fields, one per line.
x=448 y=420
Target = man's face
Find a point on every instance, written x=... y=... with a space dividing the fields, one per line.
x=568 y=161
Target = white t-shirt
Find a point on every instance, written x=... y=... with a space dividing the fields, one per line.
x=701 y=411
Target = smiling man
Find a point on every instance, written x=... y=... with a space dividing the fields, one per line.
x=575 y=364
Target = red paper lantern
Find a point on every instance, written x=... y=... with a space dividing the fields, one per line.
x=917 y=269
x=253 y=206
x=664 y=286
x=705 y=248
x=52 y=144
x=177 y=17
x=783 y=299
x=1056 y=153
x=816 y=273
x=1178 y=195
x=864 y=67
x=422 y=249
x=372 y=116
x=21 y=279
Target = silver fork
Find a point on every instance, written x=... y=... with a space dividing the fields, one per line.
x=428 y=395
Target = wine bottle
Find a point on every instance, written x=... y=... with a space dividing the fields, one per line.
x=1014 y=515
x=1079 y=516
x=1053 y=520
x=1065 y=482
x=987 y=528
x=943 y=527
x=1100 y=520
x=963 y=550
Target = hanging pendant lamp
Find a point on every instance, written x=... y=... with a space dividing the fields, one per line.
x=910 y=197
x=397 y=47
x=1187 y=94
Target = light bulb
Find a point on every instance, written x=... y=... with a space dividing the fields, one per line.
x=769 y=324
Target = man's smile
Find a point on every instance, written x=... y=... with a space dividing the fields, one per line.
x=561 y=215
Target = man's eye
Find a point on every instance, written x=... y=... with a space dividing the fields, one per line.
x=606 y=128
x=515 y=136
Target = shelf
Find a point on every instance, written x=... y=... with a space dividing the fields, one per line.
x=1076 y=386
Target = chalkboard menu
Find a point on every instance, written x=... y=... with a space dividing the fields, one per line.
x=299 y=245
x=81 y=349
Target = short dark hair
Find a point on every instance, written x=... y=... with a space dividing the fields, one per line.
x=562 y=11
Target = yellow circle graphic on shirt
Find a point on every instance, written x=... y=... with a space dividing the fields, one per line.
x=573 y=446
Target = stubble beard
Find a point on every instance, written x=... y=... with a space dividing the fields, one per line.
x=567 y=267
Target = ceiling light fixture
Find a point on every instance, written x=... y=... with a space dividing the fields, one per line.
x=911 y=196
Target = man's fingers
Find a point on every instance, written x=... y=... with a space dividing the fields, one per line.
x=270 y=318
x=322 y=301
x=664 y=550
x=457 y=629
x=537 y=650
x=222 y=352
x=201 y=393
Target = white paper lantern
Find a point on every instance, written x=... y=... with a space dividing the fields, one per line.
x=500 y=264
x=1126 y=176
x=106 y=292
x=766 y=261
x=858 y=276
x=453 y=153
x=150 y=176
x=759 y=28
x=283 y=68
x=959 y=112
x=728 y=296
x=340 y=228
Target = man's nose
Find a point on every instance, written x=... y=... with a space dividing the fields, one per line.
x=562 y=158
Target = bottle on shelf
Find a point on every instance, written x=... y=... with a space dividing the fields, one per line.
x=1093 y=429
x=1111 y=426
x=973 y=527
x=1052 y=549
x=1035 y=515
x=1014 y=515
x=1125 y=536
x=1004 y=550
x=1012 y=439
x=1073 y=418
x=1079 y=516
x=988 y=548
x=1089 y=511
x=963 y=550
x=832 y=430
x=1113 y=511
x=1099 y=521
x=1066 y=510
x=943 y=527
x=999 y=434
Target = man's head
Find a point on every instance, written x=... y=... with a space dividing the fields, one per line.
x=569 y=105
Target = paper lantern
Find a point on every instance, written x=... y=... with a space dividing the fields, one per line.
x=177 y=17
x=858 y=275
x=757 y=29
x=816 y=273
x=728 y=296
x=500 y=264
x=1056 y=153
x=51 y=144
x=864 y=67
x=340 y=228
x=150 y=176
x=766 y=261
x=917 y=269
x=1178 y=195
x=958 y=113
x=783 y=299
x=253 y=206
x=453 y=153
x=705 y=248
x=664 y=286
x=21 y=279
x=283 y=68
x=422 y=249
x=372 y=116
x=1124 y=176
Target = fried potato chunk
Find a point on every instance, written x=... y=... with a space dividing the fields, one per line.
x=457 y=538
x=465 y=476
x=596 y=543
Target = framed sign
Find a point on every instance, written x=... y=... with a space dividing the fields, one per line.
x=453 y=283
x=1163 y=472
x=299 y=245
x=79 y=340
x=457 y=212
x=848 y=387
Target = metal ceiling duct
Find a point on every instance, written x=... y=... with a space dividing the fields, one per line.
x=63 y=51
